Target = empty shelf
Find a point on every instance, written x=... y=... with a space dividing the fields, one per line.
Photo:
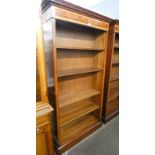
x=81 y=48
x=72 y=98
x=76 y=129
x=114 y=76
x=77 y=71
x=76 y=110
x=115 y=59
x=116 y=45
x=112 y=96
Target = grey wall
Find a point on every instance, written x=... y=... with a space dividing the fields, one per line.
x=108 y=8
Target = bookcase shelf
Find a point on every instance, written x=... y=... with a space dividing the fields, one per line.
x=114 y=76
x=74 y=130
x=80 y=48
x=77 y=71
x=70 y=99
x=116 y=45
x=77 y=110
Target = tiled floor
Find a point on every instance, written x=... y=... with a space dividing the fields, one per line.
x=105 y=141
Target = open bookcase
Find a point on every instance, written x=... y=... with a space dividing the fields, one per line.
x=79 y=53
x=111 y=93
x=79 y=61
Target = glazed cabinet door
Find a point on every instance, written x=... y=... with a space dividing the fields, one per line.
x=43 y=140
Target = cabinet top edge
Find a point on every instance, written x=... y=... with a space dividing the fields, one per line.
x=72 y=7
x=43 y=109
x=115 y=22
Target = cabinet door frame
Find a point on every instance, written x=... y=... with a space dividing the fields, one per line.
x=46 y=129
x=41 y=62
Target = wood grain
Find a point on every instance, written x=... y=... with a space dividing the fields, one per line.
x=76 y=110
x=69 y=99
x=77 y=71
x=75 y=129
x=73 y=17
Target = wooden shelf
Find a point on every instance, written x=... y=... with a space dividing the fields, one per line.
x=69 y=99
x=81 y=49
x=115 y=59
x=76 y=129
x=112 y=107
x=113 y=96
x=116 y=45
x=75 y=111
x=77 y=71
x=114 y=76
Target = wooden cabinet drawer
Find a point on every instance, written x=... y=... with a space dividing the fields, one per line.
x=112 y=107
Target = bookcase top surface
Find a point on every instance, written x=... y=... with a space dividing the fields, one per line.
x=72 y=7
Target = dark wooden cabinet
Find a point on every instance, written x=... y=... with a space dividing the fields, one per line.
x=76 y=42
x=111 y=88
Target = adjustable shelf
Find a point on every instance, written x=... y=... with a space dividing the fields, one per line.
x=116 y=45
x=114 y=76
x=80 y=48
x=70 y=99
x=77 y=129
x=77 y=71
x=112 y=108
x=77 y=110
x=113 y=96
x=115 y=59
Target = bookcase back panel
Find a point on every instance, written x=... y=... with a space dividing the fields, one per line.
x=97 y=81
x=74 y=36
x=74 y=59
x=74 y=84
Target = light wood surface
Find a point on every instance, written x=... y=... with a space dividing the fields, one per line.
x=78 y=45
x=113 y=90
x=69 y=99
x=115 y=59
x=44 y=141
x=73 y=130
x=70 y=16
x=74 y=36
x=112 y=107
x=111 y=94
x=77 y=71
x=80 y=48
x=76 y=110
